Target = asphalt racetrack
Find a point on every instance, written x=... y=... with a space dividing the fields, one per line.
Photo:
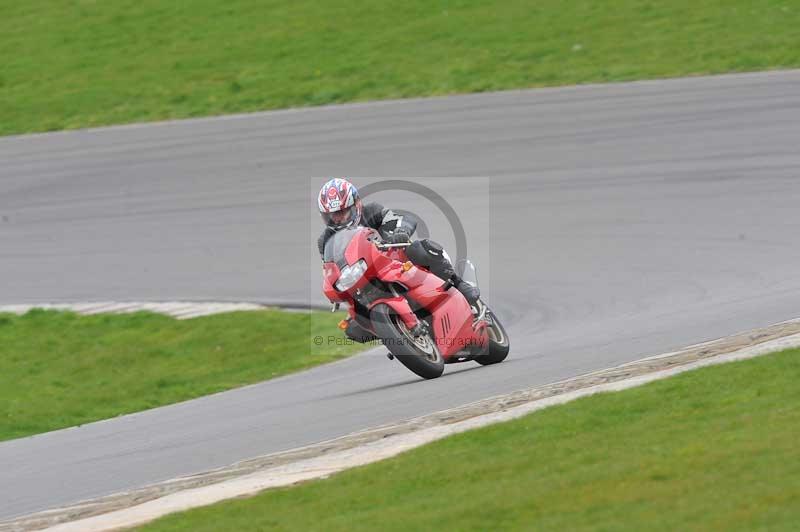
x=608 y=223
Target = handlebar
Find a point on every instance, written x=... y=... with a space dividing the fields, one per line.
x=381 y=245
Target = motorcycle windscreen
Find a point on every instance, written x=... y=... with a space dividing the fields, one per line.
x=466 y=270
x=337 y=244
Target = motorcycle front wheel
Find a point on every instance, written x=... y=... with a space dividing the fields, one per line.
x=420 y=354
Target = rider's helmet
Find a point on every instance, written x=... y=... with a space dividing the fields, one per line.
x=339 y=204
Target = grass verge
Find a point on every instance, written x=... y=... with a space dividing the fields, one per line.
x=712 y=449
x=59 y=369
x=78 y=63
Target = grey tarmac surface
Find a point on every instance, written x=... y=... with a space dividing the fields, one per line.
x=620 y=221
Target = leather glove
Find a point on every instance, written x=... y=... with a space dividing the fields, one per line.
x=399 y=236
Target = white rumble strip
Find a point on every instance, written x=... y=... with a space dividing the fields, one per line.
x=320 y=460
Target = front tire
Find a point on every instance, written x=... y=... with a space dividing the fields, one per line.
x=419 y=354
x=498 y=342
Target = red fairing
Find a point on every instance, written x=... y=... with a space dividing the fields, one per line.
x=330 y=274
x=451 y=317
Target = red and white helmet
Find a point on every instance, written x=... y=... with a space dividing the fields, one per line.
x=339 y=204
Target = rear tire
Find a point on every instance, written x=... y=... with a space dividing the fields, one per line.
x=420 y=354
x=498 y=342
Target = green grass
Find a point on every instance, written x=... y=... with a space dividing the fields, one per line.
x=78 y=63
x=713 y=449
x=58 y=369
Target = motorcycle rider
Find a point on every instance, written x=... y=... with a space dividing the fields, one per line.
x=341 y=207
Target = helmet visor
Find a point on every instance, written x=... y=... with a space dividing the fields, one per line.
x=344 y=218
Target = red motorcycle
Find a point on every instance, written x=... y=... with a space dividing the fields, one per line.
x=425 y=322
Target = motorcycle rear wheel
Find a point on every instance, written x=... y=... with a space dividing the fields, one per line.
x=498 y=342
x=419 y=354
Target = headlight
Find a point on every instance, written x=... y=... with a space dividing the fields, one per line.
x=350 y=275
